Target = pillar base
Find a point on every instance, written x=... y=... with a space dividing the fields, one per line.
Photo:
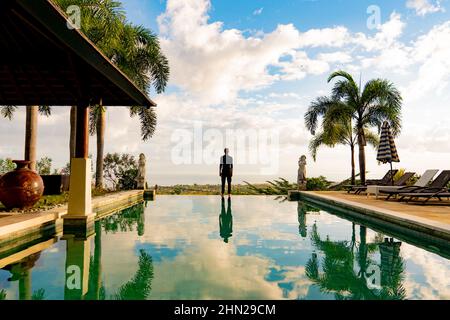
x=149 y=195
x=79 y=226
x=293 y=195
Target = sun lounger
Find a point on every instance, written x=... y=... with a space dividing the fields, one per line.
x=428 y=195
x=386 y=180
x=391 y=191
x=400 y=183
x=437 y=189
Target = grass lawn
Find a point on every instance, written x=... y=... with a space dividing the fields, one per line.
x=207 y=189
x=48 y=202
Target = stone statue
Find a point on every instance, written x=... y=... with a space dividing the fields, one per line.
x=141 y=172
x=301 y=177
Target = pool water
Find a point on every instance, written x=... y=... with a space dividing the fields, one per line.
x=251 y=247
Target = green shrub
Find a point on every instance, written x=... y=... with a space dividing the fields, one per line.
x=6 y=165
x=317 y=184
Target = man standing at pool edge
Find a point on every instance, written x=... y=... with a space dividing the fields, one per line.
x=226 y=171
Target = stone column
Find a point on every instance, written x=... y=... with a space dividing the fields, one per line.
x=79 y=212
x=78 y=253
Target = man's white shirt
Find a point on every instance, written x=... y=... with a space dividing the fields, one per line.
x=228 y=160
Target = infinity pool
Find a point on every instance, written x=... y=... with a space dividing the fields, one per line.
x=251 y=247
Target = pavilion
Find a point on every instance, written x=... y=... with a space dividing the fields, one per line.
x=43 y=61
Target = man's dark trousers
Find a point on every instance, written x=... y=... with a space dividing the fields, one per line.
x=228 y=179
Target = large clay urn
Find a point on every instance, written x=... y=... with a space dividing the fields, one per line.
x=21 y=188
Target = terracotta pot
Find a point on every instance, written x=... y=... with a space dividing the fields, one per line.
x=21 y=188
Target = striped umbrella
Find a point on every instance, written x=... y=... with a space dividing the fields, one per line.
x=387 y=152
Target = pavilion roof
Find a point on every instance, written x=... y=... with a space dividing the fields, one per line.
x=43 y=62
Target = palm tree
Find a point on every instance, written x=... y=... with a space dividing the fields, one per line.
x=96 y=288
x=351 y=106
x=334 y=132
x=73 y=131
x=338 y=275
x=97 y=119
x=140 y=286
x=135 y=50
x=30 y=128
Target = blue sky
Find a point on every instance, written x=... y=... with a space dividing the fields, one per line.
x=260 y=18
x=246 y=68
x=304 y=14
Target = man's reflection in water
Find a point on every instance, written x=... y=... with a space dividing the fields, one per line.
x=226 y=221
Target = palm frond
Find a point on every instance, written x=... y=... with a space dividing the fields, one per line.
x=346 y=89
x=372 y=138
x=8 y=111
x=383 y=103
x=45 y=110
x=94 y=114
x=316 y=142
x=148 y=120
x=318 y=108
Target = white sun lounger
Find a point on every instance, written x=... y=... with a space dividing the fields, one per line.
x=422 y=182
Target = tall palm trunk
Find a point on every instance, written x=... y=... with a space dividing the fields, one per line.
x=73 y=131
x=363 y=250
x=98 y=260
x=352 y=146
x=101 y=120
x=25 y=285
x=31 y=135
x=362 y=156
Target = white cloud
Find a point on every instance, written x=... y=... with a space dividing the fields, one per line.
x=424 y=7
x=301 y=65
x=327 y=37
x=387 y=35
x=257 y=12
x=214 y=64
x=431 y=51
x=339 y=56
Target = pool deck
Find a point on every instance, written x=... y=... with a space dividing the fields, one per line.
x=432 y=219
x=17 y=225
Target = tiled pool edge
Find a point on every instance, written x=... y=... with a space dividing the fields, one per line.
x=409 y=222
x=14 y=228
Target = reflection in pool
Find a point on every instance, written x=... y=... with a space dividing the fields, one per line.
x=201 y=247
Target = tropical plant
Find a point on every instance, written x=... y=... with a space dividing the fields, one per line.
x=44 y=166
x=6 y=165
x=351 y=111
x=120 y=170
x=334 y=133
x=7 y=111
x=282 y=186
x=399 y=174
x=338 y=273
x=127 y=220
x=276 y=187
x=38 y=294
x=96 y=290
x=139 y=287
x=135 y=50
x=2 y=294
x=317 y=184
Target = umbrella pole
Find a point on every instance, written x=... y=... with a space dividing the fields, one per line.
x=392 y=176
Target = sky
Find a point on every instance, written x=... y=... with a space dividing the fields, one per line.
x=243 y=74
